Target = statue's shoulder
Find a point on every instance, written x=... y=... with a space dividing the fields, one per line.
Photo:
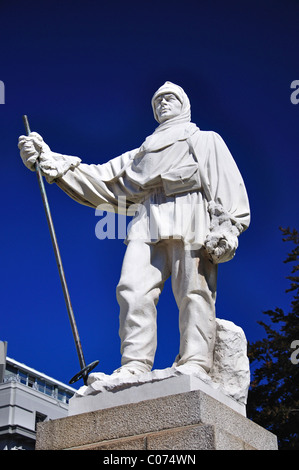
x=210 y=138
x=208 y=134
x=205 y=137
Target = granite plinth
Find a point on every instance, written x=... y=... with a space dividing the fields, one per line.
x=184 y=421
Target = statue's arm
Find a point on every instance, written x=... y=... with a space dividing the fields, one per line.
x=90 y=185
x=226 y=183
x=227 y=201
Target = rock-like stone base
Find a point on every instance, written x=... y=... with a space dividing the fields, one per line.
x=110 y=392
x=184 y=421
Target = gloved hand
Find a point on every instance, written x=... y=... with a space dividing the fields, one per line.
x=53 y=165
x=32 y=147
x=222 y=241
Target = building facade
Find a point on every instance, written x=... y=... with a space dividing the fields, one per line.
x=26 y=398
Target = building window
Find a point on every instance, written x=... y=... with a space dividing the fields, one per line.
x=22 y=377
x=40 y=384
x=48 y=390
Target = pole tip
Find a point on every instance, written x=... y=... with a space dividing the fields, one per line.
x=26 y=124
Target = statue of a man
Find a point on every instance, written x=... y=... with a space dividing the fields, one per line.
x=194 y=206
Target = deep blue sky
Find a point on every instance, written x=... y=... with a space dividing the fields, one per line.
x=84 y=73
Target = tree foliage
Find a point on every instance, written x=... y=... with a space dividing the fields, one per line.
x=273 y=399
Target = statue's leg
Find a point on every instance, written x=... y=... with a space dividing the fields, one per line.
x=194 y=280
x=143 y=274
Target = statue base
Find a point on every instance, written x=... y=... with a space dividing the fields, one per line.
x=112 y=391
x=178 y=413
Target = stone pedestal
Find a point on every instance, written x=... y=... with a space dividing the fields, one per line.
x=191 y=420
x=155 y=384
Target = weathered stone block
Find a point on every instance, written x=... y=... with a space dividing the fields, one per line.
x=191 y=420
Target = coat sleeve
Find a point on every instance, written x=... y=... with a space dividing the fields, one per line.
x=225 y=182
x=92 y=185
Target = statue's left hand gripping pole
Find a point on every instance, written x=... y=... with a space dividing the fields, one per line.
x=84 y=368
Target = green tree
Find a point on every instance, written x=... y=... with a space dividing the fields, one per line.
x=273 y=399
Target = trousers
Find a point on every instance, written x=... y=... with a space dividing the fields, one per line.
x=145 y=269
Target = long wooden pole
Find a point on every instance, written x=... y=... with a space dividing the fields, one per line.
x=84 y=369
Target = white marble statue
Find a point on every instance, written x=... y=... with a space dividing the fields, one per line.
x=193 y=206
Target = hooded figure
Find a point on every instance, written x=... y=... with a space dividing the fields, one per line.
x=190 y=206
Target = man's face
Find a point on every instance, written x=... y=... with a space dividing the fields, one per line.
x=167 y=106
